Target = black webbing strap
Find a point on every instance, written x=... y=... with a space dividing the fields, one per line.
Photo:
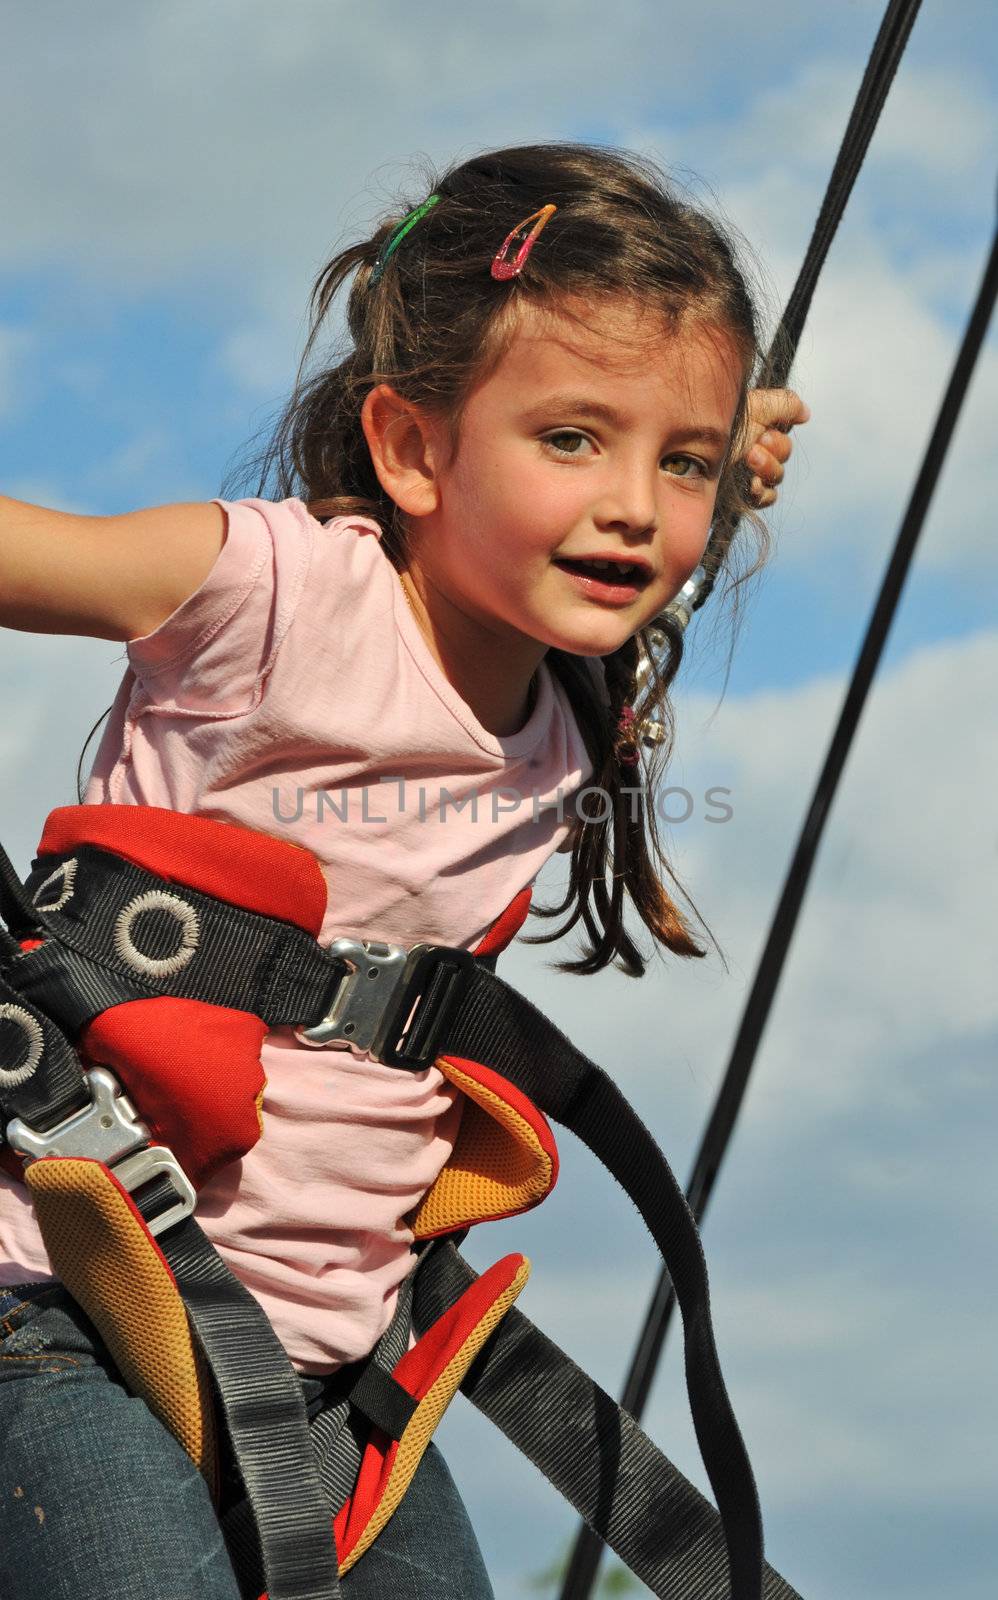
x=382 y=1400
x=243 y=959
x=265 y=1413
x=448 y=1005
x=495 y=1025
x=594 y=1454
x=338 y=1432
x=43 y=1097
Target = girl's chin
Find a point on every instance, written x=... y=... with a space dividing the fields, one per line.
x=587 y=642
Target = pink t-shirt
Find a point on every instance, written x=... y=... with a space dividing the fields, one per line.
x=294 y=693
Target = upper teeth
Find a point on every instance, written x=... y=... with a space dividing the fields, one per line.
x=619 y=566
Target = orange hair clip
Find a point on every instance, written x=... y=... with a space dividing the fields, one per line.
x=503 y=269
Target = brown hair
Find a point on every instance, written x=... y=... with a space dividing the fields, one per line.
x=434 y=324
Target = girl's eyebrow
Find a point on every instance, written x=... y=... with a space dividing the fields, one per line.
x=578 y=405
x=583 y=406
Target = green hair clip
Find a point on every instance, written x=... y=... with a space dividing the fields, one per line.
x=400 y=232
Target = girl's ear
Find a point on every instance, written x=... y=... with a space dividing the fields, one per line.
x=403 y=446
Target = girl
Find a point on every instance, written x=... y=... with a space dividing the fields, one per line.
x=407 y=659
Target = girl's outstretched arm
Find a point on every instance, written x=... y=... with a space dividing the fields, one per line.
x=104 y=577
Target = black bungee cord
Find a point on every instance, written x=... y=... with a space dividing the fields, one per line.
x=588 y=1549
x=880 y=70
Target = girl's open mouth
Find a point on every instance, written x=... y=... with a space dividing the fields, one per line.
x=606 y=580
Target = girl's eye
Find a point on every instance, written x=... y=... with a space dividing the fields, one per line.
x=688 y=462
x=567 y=442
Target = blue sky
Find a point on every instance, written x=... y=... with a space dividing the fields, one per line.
x=176 y=176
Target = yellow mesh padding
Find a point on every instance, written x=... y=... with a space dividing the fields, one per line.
x=105 y=1258
x=498 y=1167
x=258 y=1103
x=427 y=1414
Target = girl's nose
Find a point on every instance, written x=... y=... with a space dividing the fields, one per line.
x=629 y=505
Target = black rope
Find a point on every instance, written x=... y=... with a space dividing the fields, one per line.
x=588 y=1549
x=884 y=59
x=888 y=48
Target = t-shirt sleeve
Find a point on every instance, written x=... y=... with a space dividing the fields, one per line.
x=211 y=656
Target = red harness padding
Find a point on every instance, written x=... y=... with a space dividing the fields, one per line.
x=193 y=1073
x=431 y=1373
x=193 y=1070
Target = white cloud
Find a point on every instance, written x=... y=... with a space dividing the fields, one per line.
x=938 y=121
x=208 y=134
x=240 y=131
x=874 y=366
x=53 y=688
x=894 y=950
x=898 y=889
x=941 y=123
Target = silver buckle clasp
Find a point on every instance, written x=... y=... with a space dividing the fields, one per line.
x=364 y=998
x=109 y=1131
x=156 y=1161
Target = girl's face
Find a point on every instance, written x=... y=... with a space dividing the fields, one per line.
x=588 y=442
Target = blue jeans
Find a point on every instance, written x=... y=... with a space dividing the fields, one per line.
x=98 y=1501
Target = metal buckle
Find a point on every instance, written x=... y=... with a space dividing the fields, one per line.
x=156 y=1161
x=433 y=983
x=365 y=992
x=109 y=1131
x=392 y=1003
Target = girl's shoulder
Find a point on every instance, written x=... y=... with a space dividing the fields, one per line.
x=275 y=563
x=346 y=541
x=286 y=532
x=292 y=515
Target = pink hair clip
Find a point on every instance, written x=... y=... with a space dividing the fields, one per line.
x=627 y=751
x=503 y=269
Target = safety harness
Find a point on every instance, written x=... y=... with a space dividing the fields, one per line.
x=148 y=954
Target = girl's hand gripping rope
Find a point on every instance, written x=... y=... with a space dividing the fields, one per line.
x=772 y=413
